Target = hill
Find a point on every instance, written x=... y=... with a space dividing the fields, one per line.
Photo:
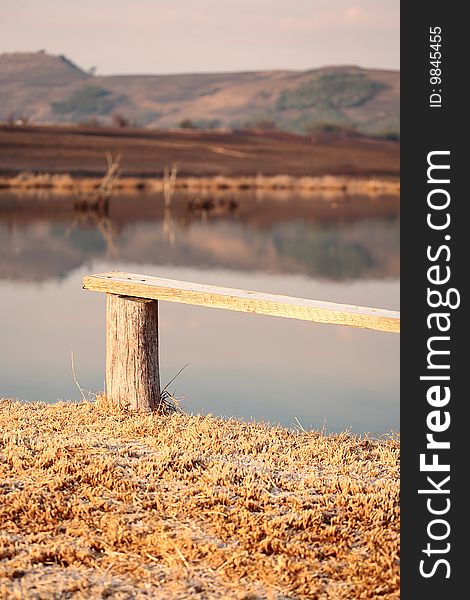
x=51 y=89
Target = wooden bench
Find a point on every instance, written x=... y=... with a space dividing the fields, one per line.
x=132 y=365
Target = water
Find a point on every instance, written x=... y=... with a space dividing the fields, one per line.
x=243 y=365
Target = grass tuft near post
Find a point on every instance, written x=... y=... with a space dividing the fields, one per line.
x=132 y=365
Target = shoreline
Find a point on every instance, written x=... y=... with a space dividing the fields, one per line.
x=305 y=184
x=179 y=506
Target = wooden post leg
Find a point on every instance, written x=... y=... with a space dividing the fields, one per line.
x=132 y=368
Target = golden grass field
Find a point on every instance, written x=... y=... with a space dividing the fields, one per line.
x=95 y=504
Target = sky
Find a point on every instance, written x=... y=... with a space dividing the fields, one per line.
x=184 y=36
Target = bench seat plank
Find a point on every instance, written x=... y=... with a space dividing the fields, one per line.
x=156 y=288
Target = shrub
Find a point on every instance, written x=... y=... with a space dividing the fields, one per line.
x=89 y=100
x=388 y=135
x=119 y=120
x=334 y=90
x=208 y=123
x=331 y=128
x=262 y=122
x=187 y=124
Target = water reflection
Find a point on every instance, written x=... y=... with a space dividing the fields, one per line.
x=239 y=364
x=47 y=239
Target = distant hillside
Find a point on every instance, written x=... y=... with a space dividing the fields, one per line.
x=51 y=89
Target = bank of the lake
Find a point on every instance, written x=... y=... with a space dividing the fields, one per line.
x=81 y=152
x=95 y=503
x=307 y=186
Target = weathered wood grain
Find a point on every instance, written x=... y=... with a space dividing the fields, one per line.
x=132 y=369
x=156 y=288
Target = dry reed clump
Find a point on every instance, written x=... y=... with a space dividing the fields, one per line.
x=27 y=180
x=100 y=505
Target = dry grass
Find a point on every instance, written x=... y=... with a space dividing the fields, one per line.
x=100 y=505
x=328 y=183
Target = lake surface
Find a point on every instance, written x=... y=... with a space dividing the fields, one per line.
x=249 y=366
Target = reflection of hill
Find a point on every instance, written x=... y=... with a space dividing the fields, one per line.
x=366 y=248
x=320 y=239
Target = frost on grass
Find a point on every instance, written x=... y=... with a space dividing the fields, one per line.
x=100 y=505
